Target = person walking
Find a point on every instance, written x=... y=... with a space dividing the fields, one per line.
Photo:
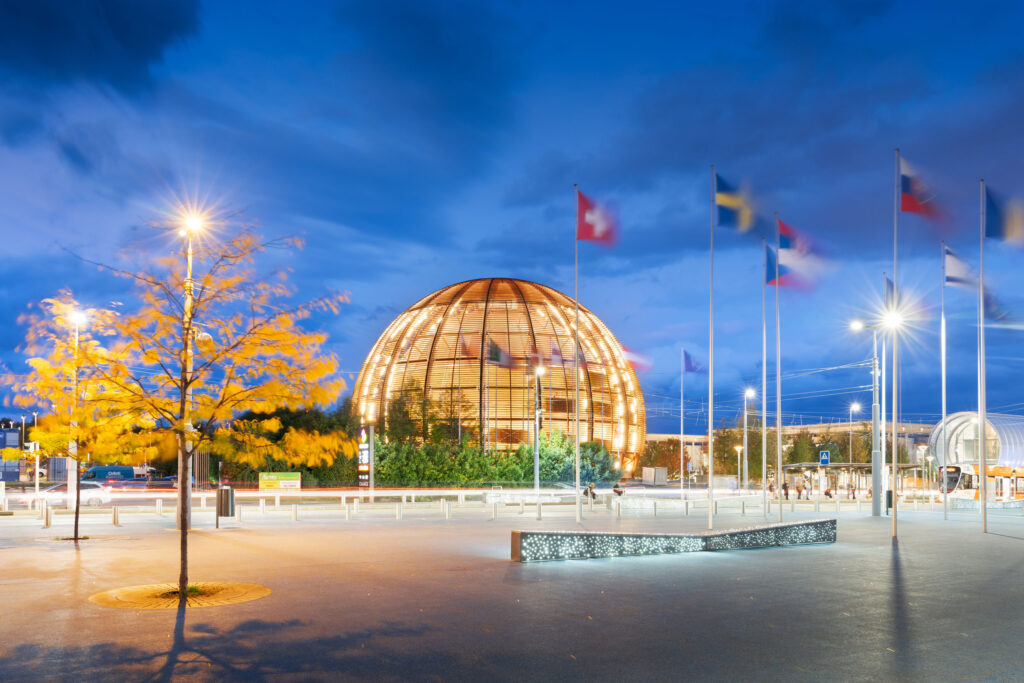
x=785 y=489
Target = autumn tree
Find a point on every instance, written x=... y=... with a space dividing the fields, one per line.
x=212 y=338
x=65 y=356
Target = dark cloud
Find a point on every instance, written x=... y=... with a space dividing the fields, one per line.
x=115 y=42
x=443 y=70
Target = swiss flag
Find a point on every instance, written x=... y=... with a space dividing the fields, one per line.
x=594 y=222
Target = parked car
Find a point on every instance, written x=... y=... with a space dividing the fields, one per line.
x=92 y=494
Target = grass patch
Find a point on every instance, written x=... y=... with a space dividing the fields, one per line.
x=193 y=592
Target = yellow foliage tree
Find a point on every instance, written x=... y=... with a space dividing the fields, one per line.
x=65 y=357
x=201 y=349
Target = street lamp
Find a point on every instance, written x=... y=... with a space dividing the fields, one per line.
x=854 y=408
x=892 y=319
x=877 y=460
x=748 y=394
x=78 y=319
x=192 y=224
x=930 y=458
x=538 y=373
x=739 y=451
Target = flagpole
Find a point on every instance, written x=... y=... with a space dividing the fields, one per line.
x=895 y=338
x=779 y=477
x=711 y=358
x=982 y=417
x=576 y=349
x=942 y=348
x=764 y=381
x=682 y=420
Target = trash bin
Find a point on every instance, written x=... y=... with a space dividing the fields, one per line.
x=888 y=499
x=225 y=501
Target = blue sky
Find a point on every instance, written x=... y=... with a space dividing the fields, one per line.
x=416 y=144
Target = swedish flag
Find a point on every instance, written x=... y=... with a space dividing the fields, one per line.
x=734 y=207
x=1004 y=220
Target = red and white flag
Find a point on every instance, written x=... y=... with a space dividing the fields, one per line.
x=594 y=222
x=637 y=360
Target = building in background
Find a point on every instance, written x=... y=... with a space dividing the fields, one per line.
x=469 y=353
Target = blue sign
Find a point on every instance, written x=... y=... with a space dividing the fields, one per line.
x=823 y=456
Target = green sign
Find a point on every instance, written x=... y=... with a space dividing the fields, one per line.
x=280 y=480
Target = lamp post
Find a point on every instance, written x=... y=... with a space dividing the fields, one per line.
x=538 y=373
x=78 y=319
x=739 y=452
x=192 y=224
x=893 y=320
x=748 y=394
x=854 y=408
x=930 y=458
x=876 y=415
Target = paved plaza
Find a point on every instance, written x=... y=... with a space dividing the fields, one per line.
x=425 y=598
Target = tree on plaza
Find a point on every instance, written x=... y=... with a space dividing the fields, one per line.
x=65 y=357
x=200 y=349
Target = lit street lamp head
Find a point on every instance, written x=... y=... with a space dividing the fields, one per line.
x=77 y=317
x=892 y=319
x=856 y=325
x=855 y=408
x=749 y=393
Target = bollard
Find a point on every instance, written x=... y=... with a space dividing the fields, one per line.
x=538 y=508
x=295 y=512
x=238 y=512
x=348 y=511
x=792 y=504
x=355 y=506
x=686 y=508
x=817 y=503
x=398 y=510
x=522 y=506
x=277 y=502
x=768 y=507
x=931 y=503
x=618 y=509
x=412 y=497
x=113 y=516
x=447 y=508
x=343 y=501
x=590 y=503
x=858 y=505
x=837 y=503
x=494 y=510
x=462 y=498
x=654 y=508
x=403 y=499
x=263 y=506
x=716 y=507
x=159 y=506
x=47 y=516
x=743 y=507
x=202 y=502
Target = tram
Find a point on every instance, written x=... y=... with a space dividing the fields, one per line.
x=1004 y=482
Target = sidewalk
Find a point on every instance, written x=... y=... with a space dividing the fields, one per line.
x=426 y=598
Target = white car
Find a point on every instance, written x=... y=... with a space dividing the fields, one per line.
x=92 y=494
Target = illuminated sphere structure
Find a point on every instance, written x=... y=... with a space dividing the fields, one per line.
x=471 y=351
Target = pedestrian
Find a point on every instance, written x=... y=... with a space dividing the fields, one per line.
x=785 y=489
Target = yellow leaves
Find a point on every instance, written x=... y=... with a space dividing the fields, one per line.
x=11 y=454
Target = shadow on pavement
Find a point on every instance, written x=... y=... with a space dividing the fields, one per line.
x=250 y=650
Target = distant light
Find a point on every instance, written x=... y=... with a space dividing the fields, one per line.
x=856 y=325
x=855 y=407
x=193 y=223
x=739 y=449
x=750 y=393
x=78 y=318
x=539 y=370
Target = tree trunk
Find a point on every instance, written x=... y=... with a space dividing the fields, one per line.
x=78 y=491
x=183 y=518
